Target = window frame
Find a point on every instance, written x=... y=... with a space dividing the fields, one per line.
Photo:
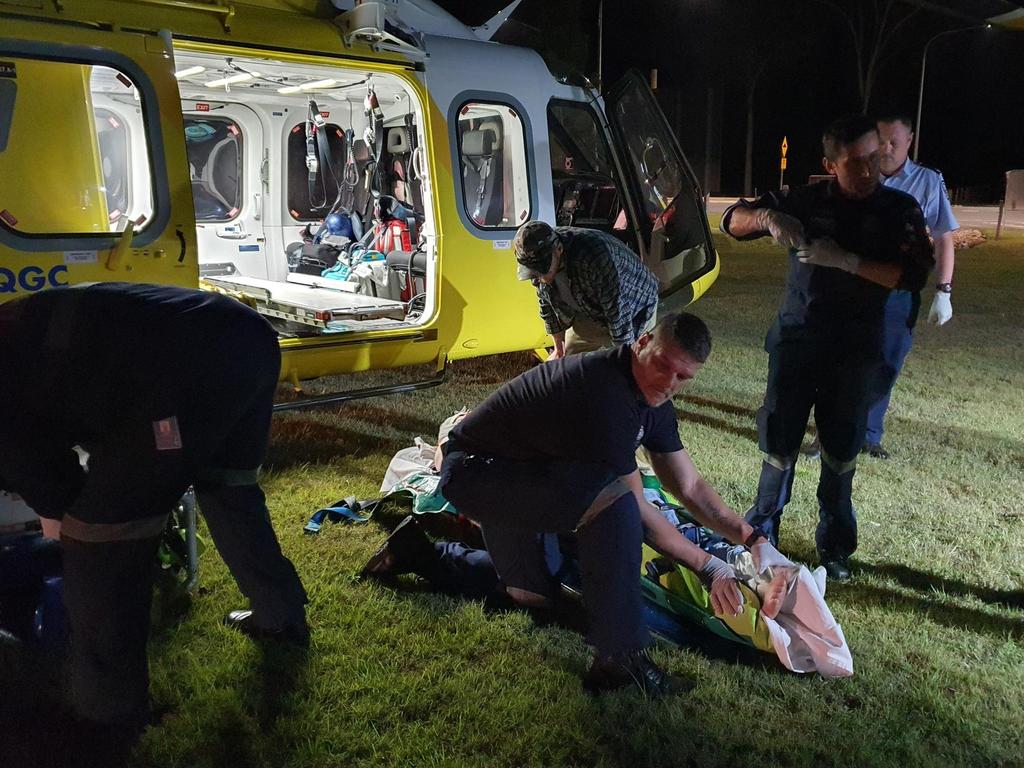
x=157 y=224
x=491 y=98
x=241 y=162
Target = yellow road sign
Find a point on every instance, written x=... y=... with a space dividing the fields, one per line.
x=782 y=164
x=785 y=147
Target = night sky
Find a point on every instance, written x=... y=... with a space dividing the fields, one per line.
x=973 y=119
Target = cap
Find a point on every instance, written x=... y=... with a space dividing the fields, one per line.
x=534 y=244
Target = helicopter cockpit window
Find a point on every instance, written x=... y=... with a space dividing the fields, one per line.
x=584 y=180
x=492 y=154
x=214 y=146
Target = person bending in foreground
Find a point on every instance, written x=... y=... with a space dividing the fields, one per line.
x=164 y=388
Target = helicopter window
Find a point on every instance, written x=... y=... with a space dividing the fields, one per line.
x=312 y=195
x=214 y=146
x=492 y=151
x=90 y=177
x=587 y=192
x=115 y=161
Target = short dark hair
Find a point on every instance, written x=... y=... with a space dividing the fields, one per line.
x=895 y=117
x=689 y=332
x=846 y=130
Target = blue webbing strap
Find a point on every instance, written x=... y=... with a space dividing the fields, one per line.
x=343 y=510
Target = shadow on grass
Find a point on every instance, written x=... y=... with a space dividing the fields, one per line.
x=281 y=673
x=572 y=618
x=927 y=582
x=954 y=616
x=376 y=415
x=748 y=433
x=717 y=405
x=307 y=442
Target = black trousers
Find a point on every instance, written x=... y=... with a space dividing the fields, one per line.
x=108 y=589
x=833 y=376
x=515 y=500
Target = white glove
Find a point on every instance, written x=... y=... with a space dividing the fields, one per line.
x=720 y=580
x=786 y=230
x=826 y=252
x=942 y=309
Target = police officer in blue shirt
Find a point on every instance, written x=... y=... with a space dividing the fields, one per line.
x=851 y=242
x=928 y=188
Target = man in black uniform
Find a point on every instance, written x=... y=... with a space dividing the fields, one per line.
x=554 y=449
x=850 y=241
x=163 y=387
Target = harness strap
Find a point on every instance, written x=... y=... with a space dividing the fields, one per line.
x=343 y=510
x=314 y=123
x=485 y=171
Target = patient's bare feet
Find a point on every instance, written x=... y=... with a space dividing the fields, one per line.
x=773 y=593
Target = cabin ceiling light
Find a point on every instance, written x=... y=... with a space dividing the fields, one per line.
x=241 y=77
x=318 y=84
x=311 y=85
x=183 y=73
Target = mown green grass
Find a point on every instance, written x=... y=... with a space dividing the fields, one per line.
x=935 y=618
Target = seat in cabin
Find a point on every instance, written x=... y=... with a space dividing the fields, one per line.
x=399 y=151
x=481 y=175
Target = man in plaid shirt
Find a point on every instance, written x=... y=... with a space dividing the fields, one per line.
x=593 y=291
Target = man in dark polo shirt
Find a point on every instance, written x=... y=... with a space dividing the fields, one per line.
x=851 y=241
x=554 y=449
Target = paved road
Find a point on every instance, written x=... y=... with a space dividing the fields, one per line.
x=970 y=217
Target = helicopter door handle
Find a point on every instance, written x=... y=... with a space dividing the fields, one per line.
x=232 y=232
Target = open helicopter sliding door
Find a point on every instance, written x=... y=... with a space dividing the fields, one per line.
x=92 y=159
x=673 y=222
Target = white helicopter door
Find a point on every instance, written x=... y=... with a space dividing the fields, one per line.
x=224 y=142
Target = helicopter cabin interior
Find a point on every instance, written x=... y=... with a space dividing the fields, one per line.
x=310 y=184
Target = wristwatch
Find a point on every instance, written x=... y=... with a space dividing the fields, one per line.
x=944 y=287
x=755 y=534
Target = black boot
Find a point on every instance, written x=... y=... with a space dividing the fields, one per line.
x=635 y=667
x=296 y=634
x=837 y=568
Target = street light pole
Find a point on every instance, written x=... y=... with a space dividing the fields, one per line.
x=920 y=90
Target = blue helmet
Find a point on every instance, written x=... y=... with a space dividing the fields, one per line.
x=339 y=224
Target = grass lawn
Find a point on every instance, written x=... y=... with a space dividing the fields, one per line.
x=935 y=616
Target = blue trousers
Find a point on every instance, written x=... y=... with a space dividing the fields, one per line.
x=514 y=501
x=900 y=314
x=471 y=573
